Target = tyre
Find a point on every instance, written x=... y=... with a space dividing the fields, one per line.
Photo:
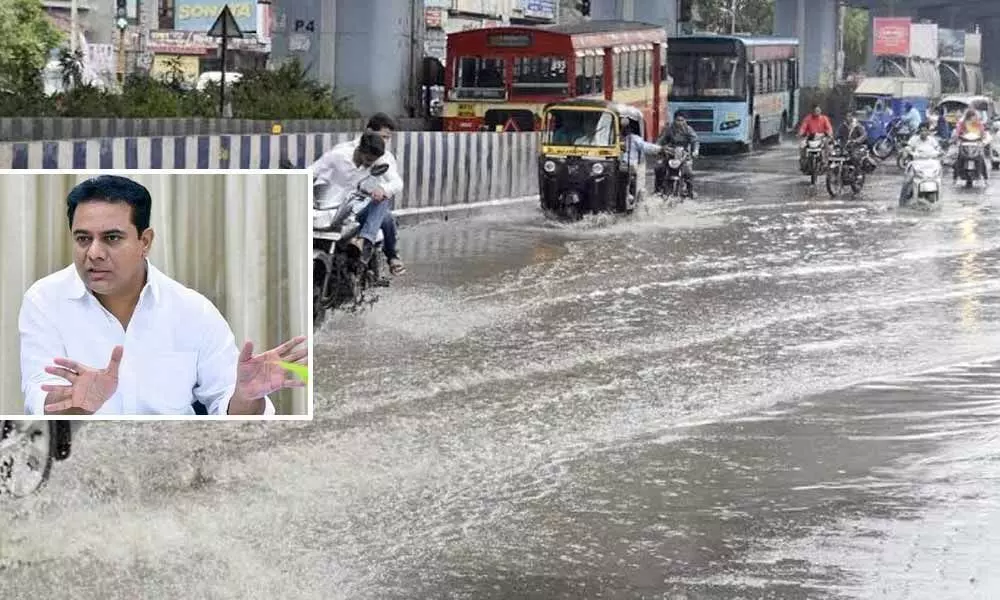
x=834 y=182
x=319 y=311
x=26 y=456
x=883 y=148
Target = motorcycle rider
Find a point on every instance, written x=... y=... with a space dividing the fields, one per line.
x=392 y=183
x=815 y=123
x=912 y=118
x=679 y=133
x=343 y=168
x=972 y=124
x=921 y=146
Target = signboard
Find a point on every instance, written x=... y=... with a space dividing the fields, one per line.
x=445 y=4
x=194 y=42
x=924 y=40
x=199 y=15
x=951 y=44
x=973 y=48
x=509 y=40
x=433 y=18
x=166 y=66
x=539 y=9
x=892 y=36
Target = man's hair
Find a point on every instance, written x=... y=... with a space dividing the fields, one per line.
x=372 y=145
x=113 y=189
x=380 y=121
x=817 y=107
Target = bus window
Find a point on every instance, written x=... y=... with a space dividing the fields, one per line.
x=682 y=68
x=582 y=81
x=479 y=78
x=648 y=69
x=664 y=66
x=598 y=70
x=540 y=76
x=617 y=65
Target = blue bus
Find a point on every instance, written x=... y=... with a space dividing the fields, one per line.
x=732 y=89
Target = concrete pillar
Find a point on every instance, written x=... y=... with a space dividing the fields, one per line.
x=658 y=13
x=373 y=54
x=818 y=43
x=991 y=39
x=306 y=29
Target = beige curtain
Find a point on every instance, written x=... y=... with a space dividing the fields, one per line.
x=240 y=239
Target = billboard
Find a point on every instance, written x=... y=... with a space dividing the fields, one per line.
x=951 y=44
x=199 y=15
x=924 y=40
x=892 y=36
x=973 y=48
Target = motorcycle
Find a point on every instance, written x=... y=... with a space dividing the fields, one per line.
x=670 y=180
x=846 y=167
x=814 y=165
x=339 y=278
x=895 y=139
x=28 y=449
x=970 y=152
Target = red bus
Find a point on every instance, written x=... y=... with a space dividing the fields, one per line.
x=499 y=78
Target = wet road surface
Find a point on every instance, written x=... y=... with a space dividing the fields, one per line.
x=764 y=393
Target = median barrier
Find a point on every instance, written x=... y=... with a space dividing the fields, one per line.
x=442 y=171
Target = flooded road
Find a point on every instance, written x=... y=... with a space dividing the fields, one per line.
x=763 y=393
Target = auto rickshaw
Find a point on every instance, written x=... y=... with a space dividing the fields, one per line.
x=956 y=105
x=580 y=168
x=878 y=100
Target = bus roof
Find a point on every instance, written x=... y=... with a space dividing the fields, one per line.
x=748 y=41
x=521 y=40
x=587 y=27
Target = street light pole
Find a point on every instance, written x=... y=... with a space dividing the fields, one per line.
x=732 y=11
x=74 y=24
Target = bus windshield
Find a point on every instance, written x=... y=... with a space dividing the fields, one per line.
x=572 y=127
x=707 y=77
x=479 y=78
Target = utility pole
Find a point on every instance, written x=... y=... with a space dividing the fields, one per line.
x=74 y=28
x=732 y=12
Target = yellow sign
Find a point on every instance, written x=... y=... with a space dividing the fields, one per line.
x=552 y=150
x=466 y=110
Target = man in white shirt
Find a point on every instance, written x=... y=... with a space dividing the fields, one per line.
x=921 y=147
x=391 y=182
x=164 y=346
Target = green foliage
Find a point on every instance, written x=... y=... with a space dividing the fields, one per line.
x=284 y=93
x=755 y=17
x=855 y=40
x=26 y=38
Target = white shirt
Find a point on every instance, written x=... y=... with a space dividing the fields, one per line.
x=928 y=148
x=177 y=349
x=336 y=168
x=635 y=146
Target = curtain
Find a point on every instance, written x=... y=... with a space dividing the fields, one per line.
x=239 y=239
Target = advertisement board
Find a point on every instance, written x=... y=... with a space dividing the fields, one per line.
x=434 y=18
x=973 y=48
x=951 y=44
x=539 y=9
x=199 y=15
x=445 y=4
x=892 y=36
x=924 y=40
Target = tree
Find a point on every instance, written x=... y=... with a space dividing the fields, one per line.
x=752 y=16
x=855 y=40
x=26 y=39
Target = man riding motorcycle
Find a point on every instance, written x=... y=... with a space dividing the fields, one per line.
x=912 y=118
x=815 y=123
x=679 y=133
x=342 y=169
x=972 y=124
x=921 y=146
x=392 y=183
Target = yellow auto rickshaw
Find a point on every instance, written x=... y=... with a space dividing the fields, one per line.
x=581 y=167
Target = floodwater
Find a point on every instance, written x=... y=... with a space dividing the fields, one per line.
x=763 y=393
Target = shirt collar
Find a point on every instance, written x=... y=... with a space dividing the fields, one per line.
x=77 y=289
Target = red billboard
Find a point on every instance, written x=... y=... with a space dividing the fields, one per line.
x=891 y=36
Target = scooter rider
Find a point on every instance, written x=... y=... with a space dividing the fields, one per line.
x=921 y=146
x=342 y=169
x=679 y=133
x=972 y=124
x=392 y=184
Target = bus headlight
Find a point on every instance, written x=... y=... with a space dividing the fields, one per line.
x=549 y=166
x=597 y=168
x=730 y=124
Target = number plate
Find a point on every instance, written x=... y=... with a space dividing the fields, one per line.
x=466 y=110
x=970 y=164
x=928 y=186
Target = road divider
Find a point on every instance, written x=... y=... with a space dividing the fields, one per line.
x=454 y=170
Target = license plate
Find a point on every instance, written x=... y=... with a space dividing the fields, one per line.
x=970 y=164
x=466 y=110
x=928 y=186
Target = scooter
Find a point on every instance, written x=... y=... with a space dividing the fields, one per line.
x=971 y=151
x=28 y=449
x=926 y=186
x=341 y=279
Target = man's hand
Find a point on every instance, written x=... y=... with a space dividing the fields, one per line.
x=260 y=375
x=378 y=194
x=88 y=388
